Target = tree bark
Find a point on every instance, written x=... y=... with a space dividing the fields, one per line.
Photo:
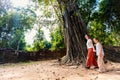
x=75 y=29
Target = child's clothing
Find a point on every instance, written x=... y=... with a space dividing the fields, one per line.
x=100 y=54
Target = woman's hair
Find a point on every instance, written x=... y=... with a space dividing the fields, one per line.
x=88 y=35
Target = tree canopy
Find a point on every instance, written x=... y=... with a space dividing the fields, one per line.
x=101 y=18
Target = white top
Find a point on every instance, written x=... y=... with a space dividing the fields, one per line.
x=89 y=44
x=98 y=49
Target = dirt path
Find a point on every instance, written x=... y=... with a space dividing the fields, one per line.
x=49 y=70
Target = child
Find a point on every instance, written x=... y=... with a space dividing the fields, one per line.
x=100 y=54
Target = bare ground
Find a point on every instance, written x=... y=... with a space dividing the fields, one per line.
x=50 y=70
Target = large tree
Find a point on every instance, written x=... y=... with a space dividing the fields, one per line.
x=74 y=16
x=100 y=17
x=74 y=31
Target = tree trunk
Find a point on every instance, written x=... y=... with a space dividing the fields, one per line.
x=75 y=30
x=16 y=51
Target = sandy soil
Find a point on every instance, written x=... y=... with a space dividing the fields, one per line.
x=50 y=70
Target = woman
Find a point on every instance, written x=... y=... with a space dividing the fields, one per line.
x=91 y=61
x=100 y=54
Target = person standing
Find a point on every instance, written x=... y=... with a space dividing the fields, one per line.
x=91 y=61
x=100 y=54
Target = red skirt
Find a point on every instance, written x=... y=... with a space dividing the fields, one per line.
x=91 y=61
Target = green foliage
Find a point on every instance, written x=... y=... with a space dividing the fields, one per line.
x=86 y=8
x=107 y=17
x=102 y=18
x=97 y=29
x=57 y=39
x=13 y=25
x=40 y=42
x=47 y=19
